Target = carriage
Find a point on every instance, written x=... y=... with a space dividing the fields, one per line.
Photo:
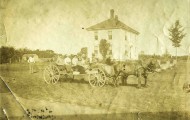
x=97 y=75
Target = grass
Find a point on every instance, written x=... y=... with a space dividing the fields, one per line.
x=162 y=95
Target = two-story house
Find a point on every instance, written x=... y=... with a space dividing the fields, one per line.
x=121 y=37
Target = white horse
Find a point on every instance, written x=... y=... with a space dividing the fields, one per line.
x=168 y=64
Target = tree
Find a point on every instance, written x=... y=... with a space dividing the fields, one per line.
x=84 y=52
x=10 y=54
x=6 y=54
x=103 y=48
x=176 y=34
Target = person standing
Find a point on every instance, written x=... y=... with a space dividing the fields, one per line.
x=60 y=61
x=67 y=62
x=75 y=61
x=31 y=62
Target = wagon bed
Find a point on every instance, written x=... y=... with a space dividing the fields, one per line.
x=96 y=76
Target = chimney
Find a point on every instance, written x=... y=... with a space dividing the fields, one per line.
x=112 y=14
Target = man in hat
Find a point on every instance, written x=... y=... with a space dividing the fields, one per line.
x=31 y=62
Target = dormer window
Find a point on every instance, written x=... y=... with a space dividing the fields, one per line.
x=109 y=34
x=96 y=35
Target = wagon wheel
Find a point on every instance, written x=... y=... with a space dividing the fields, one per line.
x=97 y=78
x=51 y=74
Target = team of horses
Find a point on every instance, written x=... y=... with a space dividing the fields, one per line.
x=140 y=69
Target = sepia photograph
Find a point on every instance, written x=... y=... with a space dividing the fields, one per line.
x=94 y=59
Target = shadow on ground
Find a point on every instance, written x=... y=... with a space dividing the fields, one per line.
x=70 y=80
x=123 y=116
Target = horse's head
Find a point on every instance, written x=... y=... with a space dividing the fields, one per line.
x=152 y=66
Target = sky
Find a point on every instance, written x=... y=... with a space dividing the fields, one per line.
x=61 y=25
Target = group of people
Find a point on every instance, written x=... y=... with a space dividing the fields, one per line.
x=73 y=64
x=68 y=61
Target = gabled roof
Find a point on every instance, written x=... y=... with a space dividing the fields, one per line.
x=111 y=24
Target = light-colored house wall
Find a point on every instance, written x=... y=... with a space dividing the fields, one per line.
x=131 y=45
x=119 y=43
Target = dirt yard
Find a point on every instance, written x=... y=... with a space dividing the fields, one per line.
x=164 y=97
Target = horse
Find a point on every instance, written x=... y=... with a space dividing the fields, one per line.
x=136 y=68
x=167 y=64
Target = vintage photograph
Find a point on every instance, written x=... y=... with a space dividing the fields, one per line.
x=94 y=59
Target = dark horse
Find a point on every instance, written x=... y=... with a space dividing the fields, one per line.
x=135 y=68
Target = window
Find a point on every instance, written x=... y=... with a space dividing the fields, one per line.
x=110 y=35
x=126 y=52
x=96 y=35
x=126 y=37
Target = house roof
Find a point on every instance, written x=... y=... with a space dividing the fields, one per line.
x=112 y=23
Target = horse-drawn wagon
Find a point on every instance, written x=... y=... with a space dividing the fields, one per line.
x=97 y=75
